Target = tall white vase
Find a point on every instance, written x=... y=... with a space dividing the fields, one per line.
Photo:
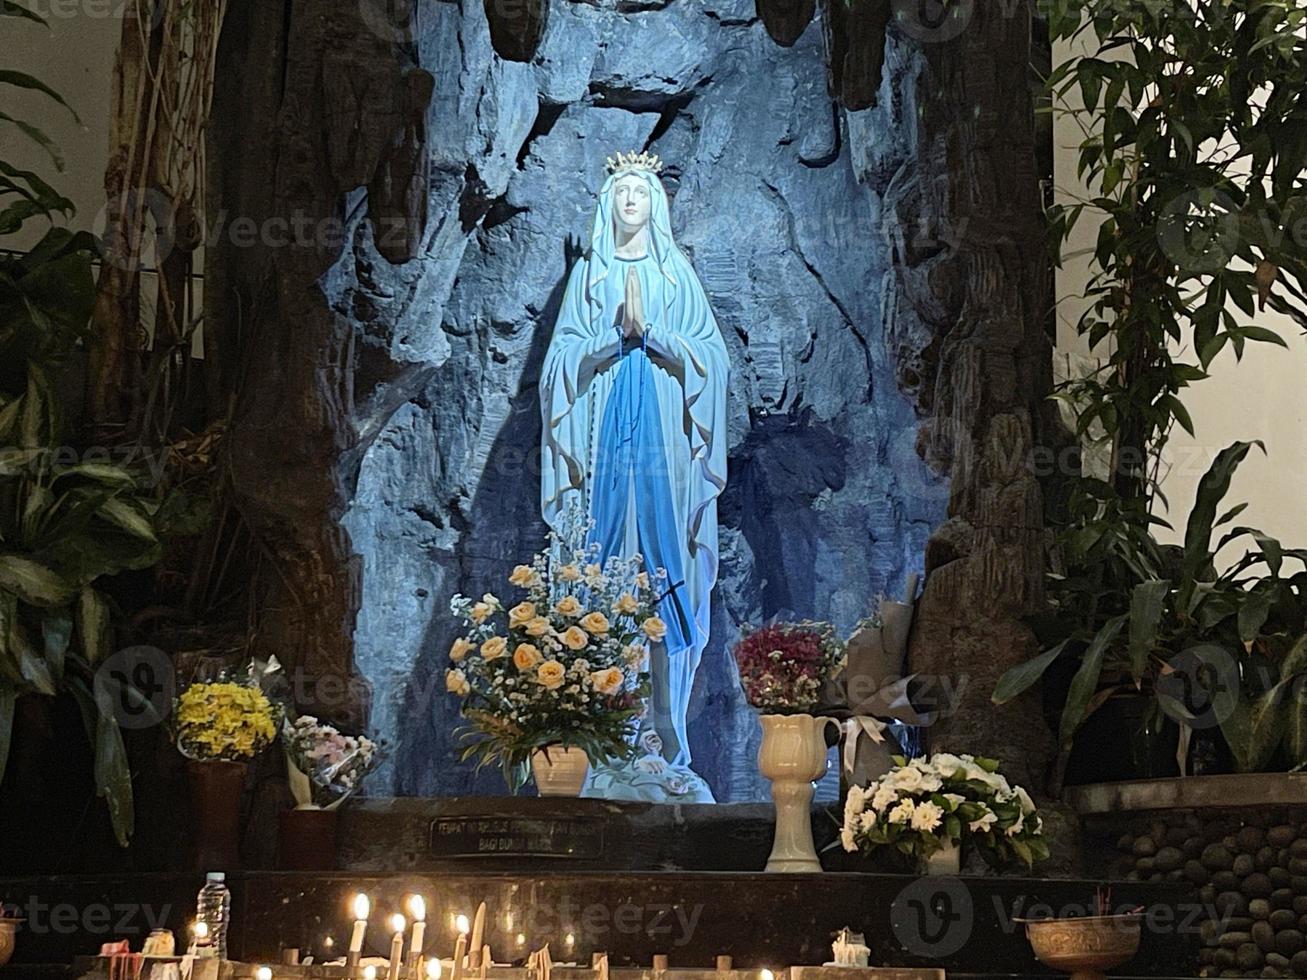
x=792 y=756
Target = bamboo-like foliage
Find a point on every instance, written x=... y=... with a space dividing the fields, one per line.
x=163 y=92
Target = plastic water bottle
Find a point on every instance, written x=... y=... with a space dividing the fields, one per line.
x=213 y=908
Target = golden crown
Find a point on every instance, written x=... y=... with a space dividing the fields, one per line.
x=628 y=162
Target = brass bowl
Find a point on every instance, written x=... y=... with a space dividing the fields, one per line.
x=8 y=930
x=1086 y=947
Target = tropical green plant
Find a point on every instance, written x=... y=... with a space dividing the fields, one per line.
x=1194 y=149
x=68 y=519
x=1128 y=607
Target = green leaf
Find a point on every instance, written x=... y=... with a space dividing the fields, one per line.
x=1085 y=682
x=1212 y=488
x=33 y=582
x=1020 y=678
x=1252 y=616
x=56 y=631
x=8 y=8
x=38 y=137
x=1147 y=601
x=8 y=696
x=113 y=778
x=32 y=666
x=23 y=80
x=93 y=625
x=121 y=513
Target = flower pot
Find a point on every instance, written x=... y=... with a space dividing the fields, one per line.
x=1122 y=740
x=792 y=756
x=1084 y=947
x=307 y=839
x=8 y=937
x=946 y=861
x=559 y=771
x=216 y=790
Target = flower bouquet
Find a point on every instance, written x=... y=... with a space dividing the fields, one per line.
x=219 y=726
x=944 y=803
x=566 y=667
x=324 y=766
x=224 y=720
x=785 y=666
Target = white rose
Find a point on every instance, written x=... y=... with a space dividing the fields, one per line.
x=883 y=798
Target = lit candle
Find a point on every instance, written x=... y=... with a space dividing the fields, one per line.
x=766 y=975
x=433 y=969
x=362 y=909
x=417 y=908
x=263 y=973
x=200 y=930
x=461 y=924
x=369 y=973
x=397 y=925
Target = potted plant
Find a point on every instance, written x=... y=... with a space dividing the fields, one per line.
x=923 y=813
x=784 y=668
x=324 y=768
x=559 y=679
x=1140 y=620
x=219 y=726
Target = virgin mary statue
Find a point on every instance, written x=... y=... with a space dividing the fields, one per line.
x=633 y=397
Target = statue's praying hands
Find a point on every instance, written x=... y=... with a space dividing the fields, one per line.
x=633 y=308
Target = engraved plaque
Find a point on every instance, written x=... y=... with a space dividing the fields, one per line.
x=566 y=838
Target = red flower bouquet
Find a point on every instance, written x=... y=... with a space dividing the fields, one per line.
x=784 y=666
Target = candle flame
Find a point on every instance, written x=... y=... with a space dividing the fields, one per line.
x=461 y=924
x=397 y=923
x=369 y=973
x=362 y=907
x=766 y=975
x=417 y=908
x=263 y=973
x=433 y=969
x=201 y=929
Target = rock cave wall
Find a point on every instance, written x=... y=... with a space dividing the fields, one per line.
x=777 y=199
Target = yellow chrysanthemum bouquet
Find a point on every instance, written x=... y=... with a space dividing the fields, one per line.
x=566 y=666
x=224 y=720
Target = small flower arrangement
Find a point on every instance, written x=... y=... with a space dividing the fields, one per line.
x=784 y=666
x=921 y=806
x=565 y=666
x=325 y=766
x=224 y=720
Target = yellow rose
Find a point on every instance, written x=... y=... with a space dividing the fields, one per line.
x=538 y=626
x=461 y=648
x=595 y=622
x=525 y=656
x=570 y=573
x=456 y=683
x=523 y=575
x=575 y=638
x=607 y=681
x=568 y=606
x=551 y=674
x=494 y=647
x=481 y=611
x=521 y=613
x=627 y=605
x=654 y=628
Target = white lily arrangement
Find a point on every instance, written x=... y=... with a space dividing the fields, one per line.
x=568 y=665
x=925 y=804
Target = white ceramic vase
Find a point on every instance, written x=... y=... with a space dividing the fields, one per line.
x=946 y=861
x=792 y=756
x=559 y=771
